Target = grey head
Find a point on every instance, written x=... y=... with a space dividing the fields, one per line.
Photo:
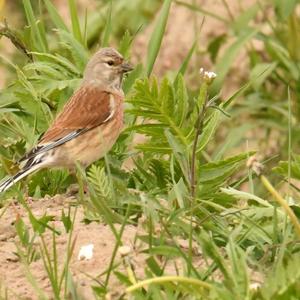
x=106 y=67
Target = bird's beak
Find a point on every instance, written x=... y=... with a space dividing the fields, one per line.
x=126 y=67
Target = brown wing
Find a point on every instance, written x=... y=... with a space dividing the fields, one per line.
x=87 y=108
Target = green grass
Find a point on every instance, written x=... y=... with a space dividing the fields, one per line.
x=190 y=180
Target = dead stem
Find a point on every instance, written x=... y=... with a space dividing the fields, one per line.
x=13 y=37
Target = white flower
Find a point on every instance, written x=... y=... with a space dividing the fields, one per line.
x=86 y=252
x=255 y=286
x=208 y=76
x=211 y=75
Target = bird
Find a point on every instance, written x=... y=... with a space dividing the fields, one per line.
x=89 y=123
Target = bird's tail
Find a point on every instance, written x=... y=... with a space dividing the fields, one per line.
x=6 y=184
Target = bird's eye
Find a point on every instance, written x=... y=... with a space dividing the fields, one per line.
x=110 y=62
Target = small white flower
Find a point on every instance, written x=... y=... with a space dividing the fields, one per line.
x=86 y=252
x=208 y=76
x=255 y=286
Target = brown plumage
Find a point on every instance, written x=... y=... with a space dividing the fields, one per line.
x=89 y=123
x=80 y=112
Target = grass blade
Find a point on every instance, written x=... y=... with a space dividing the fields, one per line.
x=198 y=9
x=36 y=31
x=75 y=21
x=185 y=63
x=55 y=17
x=226 y=61
x=156 y=37
x=107 y=29
x=163 y=279
x=76 y=49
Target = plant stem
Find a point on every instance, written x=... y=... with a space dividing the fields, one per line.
x=171 y=279
x=199 y=129
x=282 y=202
x=49 y=103
x=230 y=14
x=199 y=9
x=117 y=245
x=13 y=37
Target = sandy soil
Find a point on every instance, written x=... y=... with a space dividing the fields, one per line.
x=12 y=269
x=14 y=278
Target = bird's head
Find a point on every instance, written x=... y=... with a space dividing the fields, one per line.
x=106 y=67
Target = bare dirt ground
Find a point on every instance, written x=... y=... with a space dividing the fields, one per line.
x=13 y=271
x=177 y=41
x=85 y=272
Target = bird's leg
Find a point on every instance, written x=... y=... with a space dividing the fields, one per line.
x=74 y=188
x=14 y=208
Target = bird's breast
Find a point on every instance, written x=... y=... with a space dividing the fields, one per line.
x=93 y=144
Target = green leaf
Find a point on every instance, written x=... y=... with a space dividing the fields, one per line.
x=66 y=219
x=108 y=27
x=77 y=50
x=226 y=61
x=211 y=250
x=185 y=63
x=233 y=139
x=55 y=17
x=180 y=152
x=283 y=168
x=208 y=130
x=39 y=225
x=157 y=36
x=261 y=72
x=215 y=45
x=245 y=196
x=283 y=279
x=154 y=266
x=221 y=169
x=48 y=69
x=167 y=251
x=58 y=59
x=166 y=97
x=22 y=231
x=202 y=11
x=179 y=191
x=280 y=52
x=147 y=102
x=285 y=8
x=101 y=195
x=238 y=263
x=182 y=101
x=124 y=45
x=75 y=21
x=228 y=102
x=240 y=23
x=37 y=35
